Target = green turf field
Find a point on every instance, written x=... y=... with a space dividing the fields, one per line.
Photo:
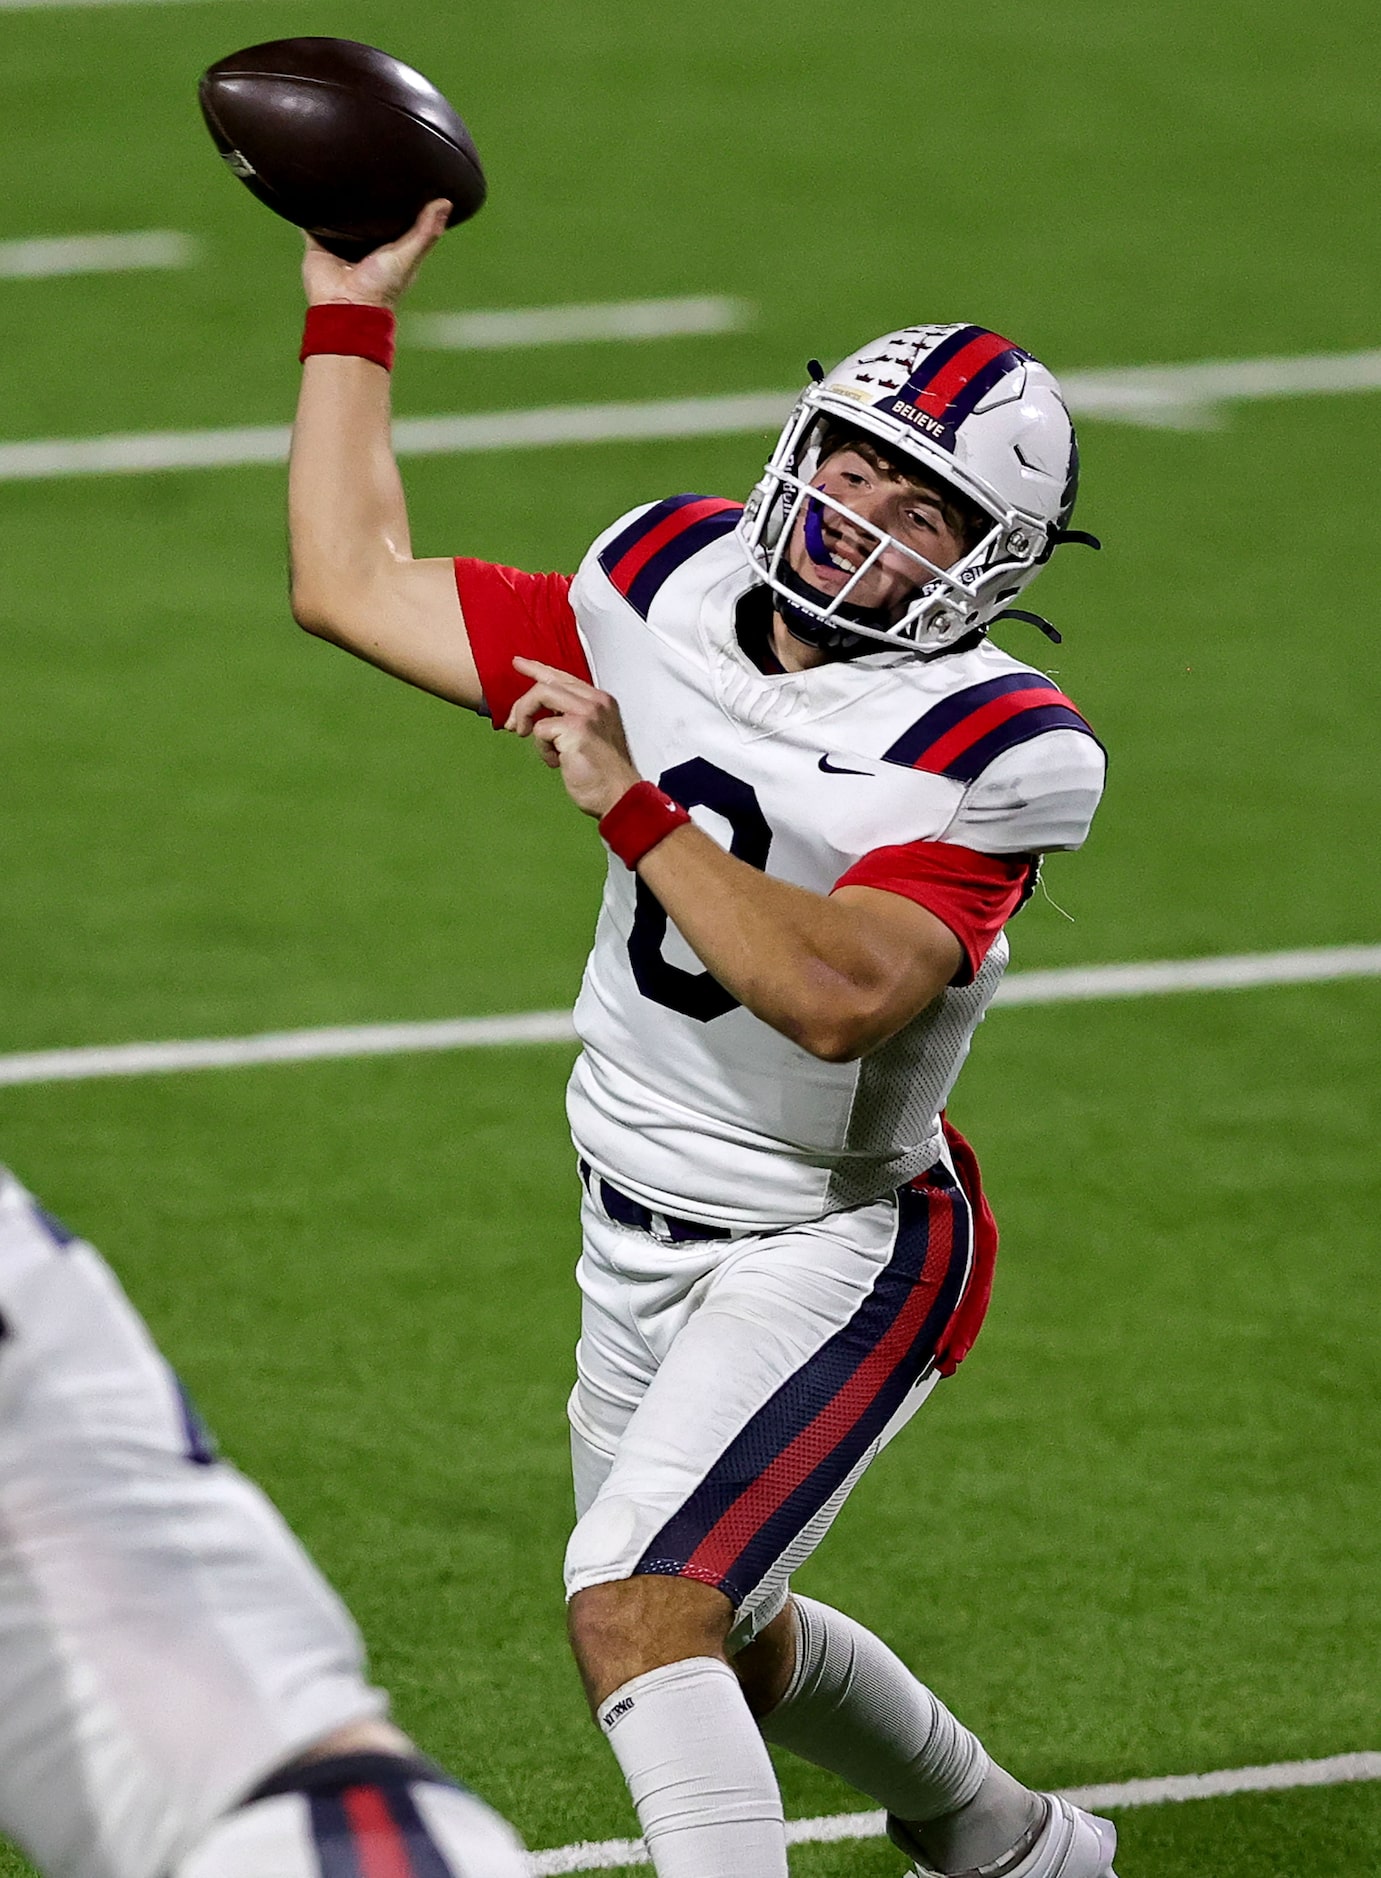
x=1137 y=1534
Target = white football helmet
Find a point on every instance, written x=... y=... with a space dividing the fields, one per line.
x=973 y=411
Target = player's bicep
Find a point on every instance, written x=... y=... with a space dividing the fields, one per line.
x=914 y=955
x=970 y=893
x=408 y=622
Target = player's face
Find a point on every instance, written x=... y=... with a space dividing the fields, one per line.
x=900 y=507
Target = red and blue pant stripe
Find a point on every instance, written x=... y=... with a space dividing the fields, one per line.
x=374 y=1830
x=805 y=1441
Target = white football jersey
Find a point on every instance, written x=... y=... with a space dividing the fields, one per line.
x=681 y=1096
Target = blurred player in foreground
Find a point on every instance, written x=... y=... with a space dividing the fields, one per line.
x=785 y=1245
x=181 y=1694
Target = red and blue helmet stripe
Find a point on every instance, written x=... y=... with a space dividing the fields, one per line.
x=952 y=380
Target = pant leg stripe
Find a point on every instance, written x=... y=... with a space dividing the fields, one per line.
x=428 y=1860
x=803 y=1443
x=374 y=1832
x=332 y=1837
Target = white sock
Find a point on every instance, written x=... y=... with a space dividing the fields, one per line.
x=854 y=1707
x=700 y=1777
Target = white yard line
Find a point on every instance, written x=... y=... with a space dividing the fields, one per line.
x=412 y=436
x=1186 y=397
x=1183 y=397
x=48 y=256
x=1229 y=972
x=566 y=325
x=36 y=6
x=1074 y=984
x=284 y=1046
x=1338 y=1769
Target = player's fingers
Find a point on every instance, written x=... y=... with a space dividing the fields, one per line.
x=563 y=691
x=553 y=675
x=545 y=735
x=438 y=214
x=528 y=710
x=548 y=694
x=425 y=232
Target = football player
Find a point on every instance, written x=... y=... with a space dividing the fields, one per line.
x=823 y=792
x=181 y=1694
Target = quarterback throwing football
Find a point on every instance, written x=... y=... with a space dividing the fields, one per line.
x=824 y=792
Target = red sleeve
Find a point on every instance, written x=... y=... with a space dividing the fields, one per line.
x=509 y=614
x=974 y=894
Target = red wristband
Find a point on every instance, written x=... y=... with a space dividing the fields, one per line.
x=642 y=816
x=361 y=332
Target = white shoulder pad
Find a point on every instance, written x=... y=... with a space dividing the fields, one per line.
x=1039 y=795
x=590 y=559
x=646 y=547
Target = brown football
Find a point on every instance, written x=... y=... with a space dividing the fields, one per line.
x=340 y=138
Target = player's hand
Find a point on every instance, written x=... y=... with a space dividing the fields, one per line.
x=577 y=730
x=381 y=278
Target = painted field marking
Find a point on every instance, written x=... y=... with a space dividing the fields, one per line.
x=1074 y=984
x=137 y=453
x=1176 y=397
x=35 y=6
x=1188 y=397
x=565 y=325
x=284 y=1046
x=1229 y=972
x=1282 y=1776
x=47 y=256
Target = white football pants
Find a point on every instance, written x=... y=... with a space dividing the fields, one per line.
x=730 y=1393
x=165 y=1642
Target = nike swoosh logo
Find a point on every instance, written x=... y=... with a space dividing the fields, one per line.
x=836 y=769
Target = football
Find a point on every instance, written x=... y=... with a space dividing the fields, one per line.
x=340 y=138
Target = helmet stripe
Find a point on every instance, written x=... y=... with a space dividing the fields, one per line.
x=952 y=379
x=934 y=362
x=946 y=384
x=968 y=398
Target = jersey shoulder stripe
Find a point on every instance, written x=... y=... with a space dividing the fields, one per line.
x=641 y=557
x=962 y=734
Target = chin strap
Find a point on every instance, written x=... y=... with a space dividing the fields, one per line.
x=1059 y=538
x=1066 y=537
x=1031 y=619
